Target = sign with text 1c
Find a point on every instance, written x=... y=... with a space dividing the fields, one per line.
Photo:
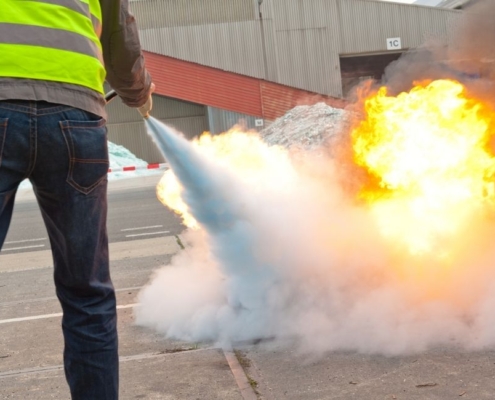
x=394 y=43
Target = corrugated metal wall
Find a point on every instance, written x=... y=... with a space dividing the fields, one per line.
x=191 y=12
x=221 y=121
x=295 y=43
x=288 y=44
x=365 y=25
x=230 y=46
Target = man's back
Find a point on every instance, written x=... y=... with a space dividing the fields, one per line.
x=62 y=52
x=54 y=57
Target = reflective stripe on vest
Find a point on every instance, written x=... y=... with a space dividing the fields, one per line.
x=52 y=40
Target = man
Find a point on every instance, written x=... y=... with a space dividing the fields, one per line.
x=54 y=57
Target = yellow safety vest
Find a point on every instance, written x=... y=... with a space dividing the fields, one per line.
x=52 y=40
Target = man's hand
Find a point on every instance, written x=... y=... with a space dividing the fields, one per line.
x=145 y=109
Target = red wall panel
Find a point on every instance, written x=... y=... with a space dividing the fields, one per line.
x=204 y=85
x=226 y=90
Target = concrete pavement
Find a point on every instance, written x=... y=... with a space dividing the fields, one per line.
x=443 y=374
x=153 y=367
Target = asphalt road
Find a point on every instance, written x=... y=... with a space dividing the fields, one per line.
x=134 y=213
x=142 y=241
x=156 y=367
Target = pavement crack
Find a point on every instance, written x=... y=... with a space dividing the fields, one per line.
x=179 y=349
x=179 y=242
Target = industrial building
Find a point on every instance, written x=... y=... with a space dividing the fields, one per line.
x=218 y=62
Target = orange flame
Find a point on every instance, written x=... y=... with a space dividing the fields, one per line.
x=428 y=152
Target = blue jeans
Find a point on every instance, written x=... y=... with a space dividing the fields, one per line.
x=63 y=152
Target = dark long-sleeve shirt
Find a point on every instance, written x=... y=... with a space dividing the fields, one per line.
x=122 y=54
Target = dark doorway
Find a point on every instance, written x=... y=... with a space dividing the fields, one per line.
x=358 y=68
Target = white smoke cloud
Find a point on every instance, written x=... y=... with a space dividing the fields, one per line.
x=287 y=252
x=298 y=258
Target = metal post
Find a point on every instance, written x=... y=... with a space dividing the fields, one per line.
x=263 y=44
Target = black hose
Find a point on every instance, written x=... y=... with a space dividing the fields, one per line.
x=112 y=94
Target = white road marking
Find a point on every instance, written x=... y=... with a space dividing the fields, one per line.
x=139 y=229
x=24 y=241
x=55 y=315
x=127 y=306
x=50 y=298
x=55 y=368
x=147 y=234
x=24 y=247
x=128 y=288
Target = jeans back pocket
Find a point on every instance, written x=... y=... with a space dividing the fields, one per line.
x=88 y=153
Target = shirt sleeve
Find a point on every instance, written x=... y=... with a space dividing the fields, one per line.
x=122 y=54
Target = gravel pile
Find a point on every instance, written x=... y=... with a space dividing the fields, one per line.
x=306 y=126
